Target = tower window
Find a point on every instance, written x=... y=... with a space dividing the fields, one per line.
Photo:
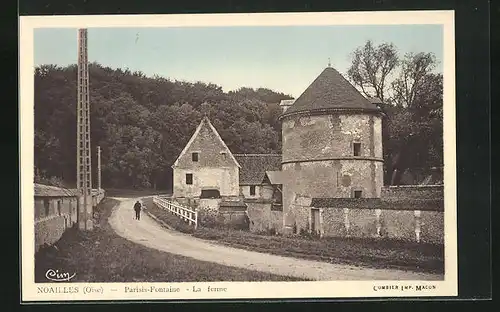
x=189 y=178
x=194 y=156
x=252 y=190
x=358 y=194
x=357 y=149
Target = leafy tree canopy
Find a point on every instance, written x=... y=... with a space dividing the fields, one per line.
x=142 y=123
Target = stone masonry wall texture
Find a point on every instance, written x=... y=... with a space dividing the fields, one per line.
x=320 y=163
x=395 y=224
x=50 y=227
x=49 y=231
x=408 y=220
x=226 y=180
x=262 y=219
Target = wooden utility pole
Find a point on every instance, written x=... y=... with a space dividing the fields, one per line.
x=99 y=168
x=84 y=173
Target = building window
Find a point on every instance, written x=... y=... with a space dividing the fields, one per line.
x=194 y=156
x=46 y=205
x=189 y=178
x=224 y=155
x=59 y=212
x=252 y=190
x=357 y=148
x=358 y=194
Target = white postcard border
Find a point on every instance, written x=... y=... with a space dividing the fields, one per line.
x=235 y=290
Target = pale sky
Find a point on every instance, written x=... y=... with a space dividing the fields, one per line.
x=282 y=58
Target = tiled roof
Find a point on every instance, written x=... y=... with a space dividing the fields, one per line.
x=375 y=100
x=330 y=90
x=275 y=177
x=42 y=190
x=254 y=167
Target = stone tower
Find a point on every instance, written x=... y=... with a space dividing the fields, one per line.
x=332 y=147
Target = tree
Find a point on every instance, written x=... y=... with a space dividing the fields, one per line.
x=413 y=100
x=415 y=68
x=371 y=67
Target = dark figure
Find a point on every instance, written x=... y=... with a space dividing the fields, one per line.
x=137 y=208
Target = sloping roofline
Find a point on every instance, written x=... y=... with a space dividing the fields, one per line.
x=193 y=137
x=330 y=92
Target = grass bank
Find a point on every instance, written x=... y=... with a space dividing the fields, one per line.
x=103 y=256
x=367 y=252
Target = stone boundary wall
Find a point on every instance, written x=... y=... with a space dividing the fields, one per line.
x=263 y=219
x=417 y=225
x=49 y=229
x=98 y=196
x=410 y=212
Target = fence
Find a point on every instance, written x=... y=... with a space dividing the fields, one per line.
x=182 y=212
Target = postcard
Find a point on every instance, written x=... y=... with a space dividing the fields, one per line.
x=238 y=156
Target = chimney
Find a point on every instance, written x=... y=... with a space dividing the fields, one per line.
x=375 y=100
x=285 y=104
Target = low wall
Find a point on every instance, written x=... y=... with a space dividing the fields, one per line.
x=217 y=211
x=263 y=219
x=403 y=212
x=50 y=229
x=98 y=196
x=421 y=226
x=234 y=218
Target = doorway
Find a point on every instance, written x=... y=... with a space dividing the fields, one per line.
x=315 y=223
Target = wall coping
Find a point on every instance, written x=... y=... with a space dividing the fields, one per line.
x=48 y=218
x=378 y=203
x=413 y=186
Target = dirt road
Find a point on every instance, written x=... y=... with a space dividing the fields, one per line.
x=149 y=233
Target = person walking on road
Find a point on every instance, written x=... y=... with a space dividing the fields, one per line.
x=137 y=208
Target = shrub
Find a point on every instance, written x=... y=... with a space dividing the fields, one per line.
x=207 y=218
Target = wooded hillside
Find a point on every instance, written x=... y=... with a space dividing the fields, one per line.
x=142 y=123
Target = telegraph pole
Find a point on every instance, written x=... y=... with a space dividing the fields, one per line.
x=99 y=168
x=84 y=174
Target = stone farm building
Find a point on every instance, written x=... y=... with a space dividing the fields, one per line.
x=328 y=180
x=56 y=210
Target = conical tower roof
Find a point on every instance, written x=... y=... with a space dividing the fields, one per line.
x=330 y=91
